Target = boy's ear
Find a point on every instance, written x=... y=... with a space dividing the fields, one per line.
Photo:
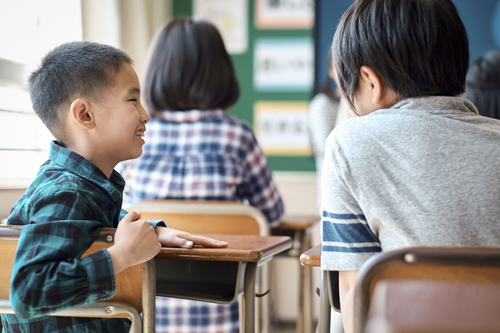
x=81 y=113
x=380 y=93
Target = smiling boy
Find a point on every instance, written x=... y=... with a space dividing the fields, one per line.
x=88 y=96
x=417 y=166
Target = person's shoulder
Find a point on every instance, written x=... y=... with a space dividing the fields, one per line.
x=53 y=180
x=237 y=125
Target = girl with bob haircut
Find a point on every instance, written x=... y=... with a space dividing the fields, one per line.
x=194 y=151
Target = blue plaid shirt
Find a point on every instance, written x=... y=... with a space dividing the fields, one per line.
x=62 y=213
x=200 y=155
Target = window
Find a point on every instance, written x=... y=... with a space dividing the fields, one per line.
x=29 y=29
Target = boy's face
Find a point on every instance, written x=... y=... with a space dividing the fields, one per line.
x=121 y=119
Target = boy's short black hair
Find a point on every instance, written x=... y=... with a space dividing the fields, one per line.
x=72 y=70
x=189 y=68
x=417 y=47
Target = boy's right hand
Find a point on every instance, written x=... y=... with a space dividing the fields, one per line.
x=135 y=242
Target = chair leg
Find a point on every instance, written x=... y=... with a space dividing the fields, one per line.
x=325 y=308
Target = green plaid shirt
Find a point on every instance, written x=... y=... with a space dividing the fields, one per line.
x=62 y=213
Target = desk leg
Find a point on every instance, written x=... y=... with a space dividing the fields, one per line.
x=325 y=308
x=249 y=298
x=304 y=318
x=148 y=296
x=307 y=284
x=265 y=308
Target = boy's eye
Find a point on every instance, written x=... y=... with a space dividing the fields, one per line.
x=133 y=100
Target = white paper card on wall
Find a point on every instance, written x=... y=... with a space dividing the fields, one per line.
x=284 y=14
x=231 y=19
x=283 y=64
x=281 y=128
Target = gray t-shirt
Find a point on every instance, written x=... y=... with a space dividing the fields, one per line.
x=425 y=172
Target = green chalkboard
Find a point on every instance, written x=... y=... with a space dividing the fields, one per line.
x=243 y=63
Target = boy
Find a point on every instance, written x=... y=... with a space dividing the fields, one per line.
x=419 y=167
x=88 y=96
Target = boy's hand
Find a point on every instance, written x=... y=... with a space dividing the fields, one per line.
x=175 y=238
x=135 y=242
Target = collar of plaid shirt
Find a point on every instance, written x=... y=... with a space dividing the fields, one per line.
x=82 y=167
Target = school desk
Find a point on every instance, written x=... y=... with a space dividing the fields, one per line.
x=218 y=274
x=312 y=258
x=298 y=227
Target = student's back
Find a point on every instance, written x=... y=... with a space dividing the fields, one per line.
x=202 y=155
x=422 y=173
x=417 y=166
x=194 y=151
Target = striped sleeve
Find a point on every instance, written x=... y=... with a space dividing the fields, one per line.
x=347 y=239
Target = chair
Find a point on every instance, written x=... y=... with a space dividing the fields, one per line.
x=135 y=286
x=215 y=217
x=475 y=268
x=212 y=217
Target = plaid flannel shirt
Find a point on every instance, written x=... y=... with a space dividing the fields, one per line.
x=62 y=213
x=200 y=155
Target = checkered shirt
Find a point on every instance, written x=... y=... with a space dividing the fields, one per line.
x=200 y=155
x=184 y=316
x=62 y=212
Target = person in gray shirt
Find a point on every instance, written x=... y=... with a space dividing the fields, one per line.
x=417 y=166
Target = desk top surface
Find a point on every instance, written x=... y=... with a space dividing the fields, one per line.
x=311 y=257
x=241 y=248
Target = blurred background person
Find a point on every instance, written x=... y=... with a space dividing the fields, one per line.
x=482 y=85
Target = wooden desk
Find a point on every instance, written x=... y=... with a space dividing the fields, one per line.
x=218 y=275
x=298 y=227
x=312 y=258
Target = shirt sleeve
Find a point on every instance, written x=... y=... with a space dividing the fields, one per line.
x=347 y=240
x=49 y=273
x=259 y=188
x=153 y=223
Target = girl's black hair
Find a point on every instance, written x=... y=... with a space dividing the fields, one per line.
x=189 y=68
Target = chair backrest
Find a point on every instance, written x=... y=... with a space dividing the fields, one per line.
x=213 y=217
x=475 y=265
x=130 y=287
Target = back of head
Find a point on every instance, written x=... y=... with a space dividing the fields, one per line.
x=483 y=84
x=189 y=68
x=70 y=71
x=417 y=47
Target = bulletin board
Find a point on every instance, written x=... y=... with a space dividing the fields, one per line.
x=244 y=66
